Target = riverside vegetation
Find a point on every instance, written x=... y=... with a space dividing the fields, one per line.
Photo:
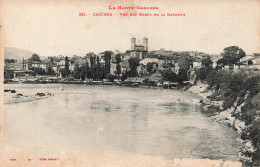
x=240 y=93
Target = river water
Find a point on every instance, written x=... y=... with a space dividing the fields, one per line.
x=156 y=122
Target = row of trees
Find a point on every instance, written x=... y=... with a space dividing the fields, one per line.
x=92 y=69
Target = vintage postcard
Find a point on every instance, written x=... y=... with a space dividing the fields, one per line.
x=139 y=83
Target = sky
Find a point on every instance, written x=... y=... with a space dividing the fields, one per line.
x=54 y=27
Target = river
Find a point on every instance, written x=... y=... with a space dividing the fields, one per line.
x=156 y=122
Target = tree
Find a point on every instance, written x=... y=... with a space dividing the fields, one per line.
x=118 y=58
x=88 y=72
x=99 y=70
x=182 y=76
x=232 y=55
x=67 y=70
x=76 y=71
x=93 y=69
x=51 y=58
x=203 y=72
x=118 y=67
x=184 y=64
x=107 y=62
x=35 y=57
x=169 y=75
x=83 y=72
x=207 y=62
x=51 y=71
x=149 y=67
x=39 y=71
x=133 y=63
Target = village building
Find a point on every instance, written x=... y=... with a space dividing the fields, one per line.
x=17 y=69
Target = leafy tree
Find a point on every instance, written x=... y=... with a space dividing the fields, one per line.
x=182 y=75
x=107 y=61
x=93 y=67
x=92 y=62
x=51 y=71
x=51 y=58
x=35 y=57
x=169 y=75
x=99 y=70
x=88 y=72
x=39 y=71
x=203 y=72
x=118 y=67
x=207 y=62
x=133 y=63
x=232 y=55
x=67 y=70
x=184 y=64
x=82 y=72
x=118 y=58
x=76 y=71
x=149 y=67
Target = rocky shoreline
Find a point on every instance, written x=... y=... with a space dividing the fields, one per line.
x=11 y=96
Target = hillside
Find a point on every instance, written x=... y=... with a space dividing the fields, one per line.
x=15 y=53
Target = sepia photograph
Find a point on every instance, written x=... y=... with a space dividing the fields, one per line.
x=130 y=83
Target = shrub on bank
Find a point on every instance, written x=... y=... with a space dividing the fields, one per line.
x=239 y=89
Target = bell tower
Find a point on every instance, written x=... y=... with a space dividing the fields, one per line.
x=133 y=43
x=145 y=43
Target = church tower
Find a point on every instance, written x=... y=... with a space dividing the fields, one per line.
x=133 y=43
x=145 y=43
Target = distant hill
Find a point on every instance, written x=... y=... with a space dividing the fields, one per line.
x=15 y=53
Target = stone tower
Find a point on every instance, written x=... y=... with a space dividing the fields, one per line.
x=133 y=43
x=145 y=43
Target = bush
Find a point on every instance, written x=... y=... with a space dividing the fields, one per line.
x=252 y=133
x=202 y=73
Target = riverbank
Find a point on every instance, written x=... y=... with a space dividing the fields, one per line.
x=235 y=99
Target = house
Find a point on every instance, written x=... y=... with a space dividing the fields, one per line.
x=75 y=60
x=196 y=64
x=16 y=69
x=55 y=68
x=45 y=65
x=150 y=60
